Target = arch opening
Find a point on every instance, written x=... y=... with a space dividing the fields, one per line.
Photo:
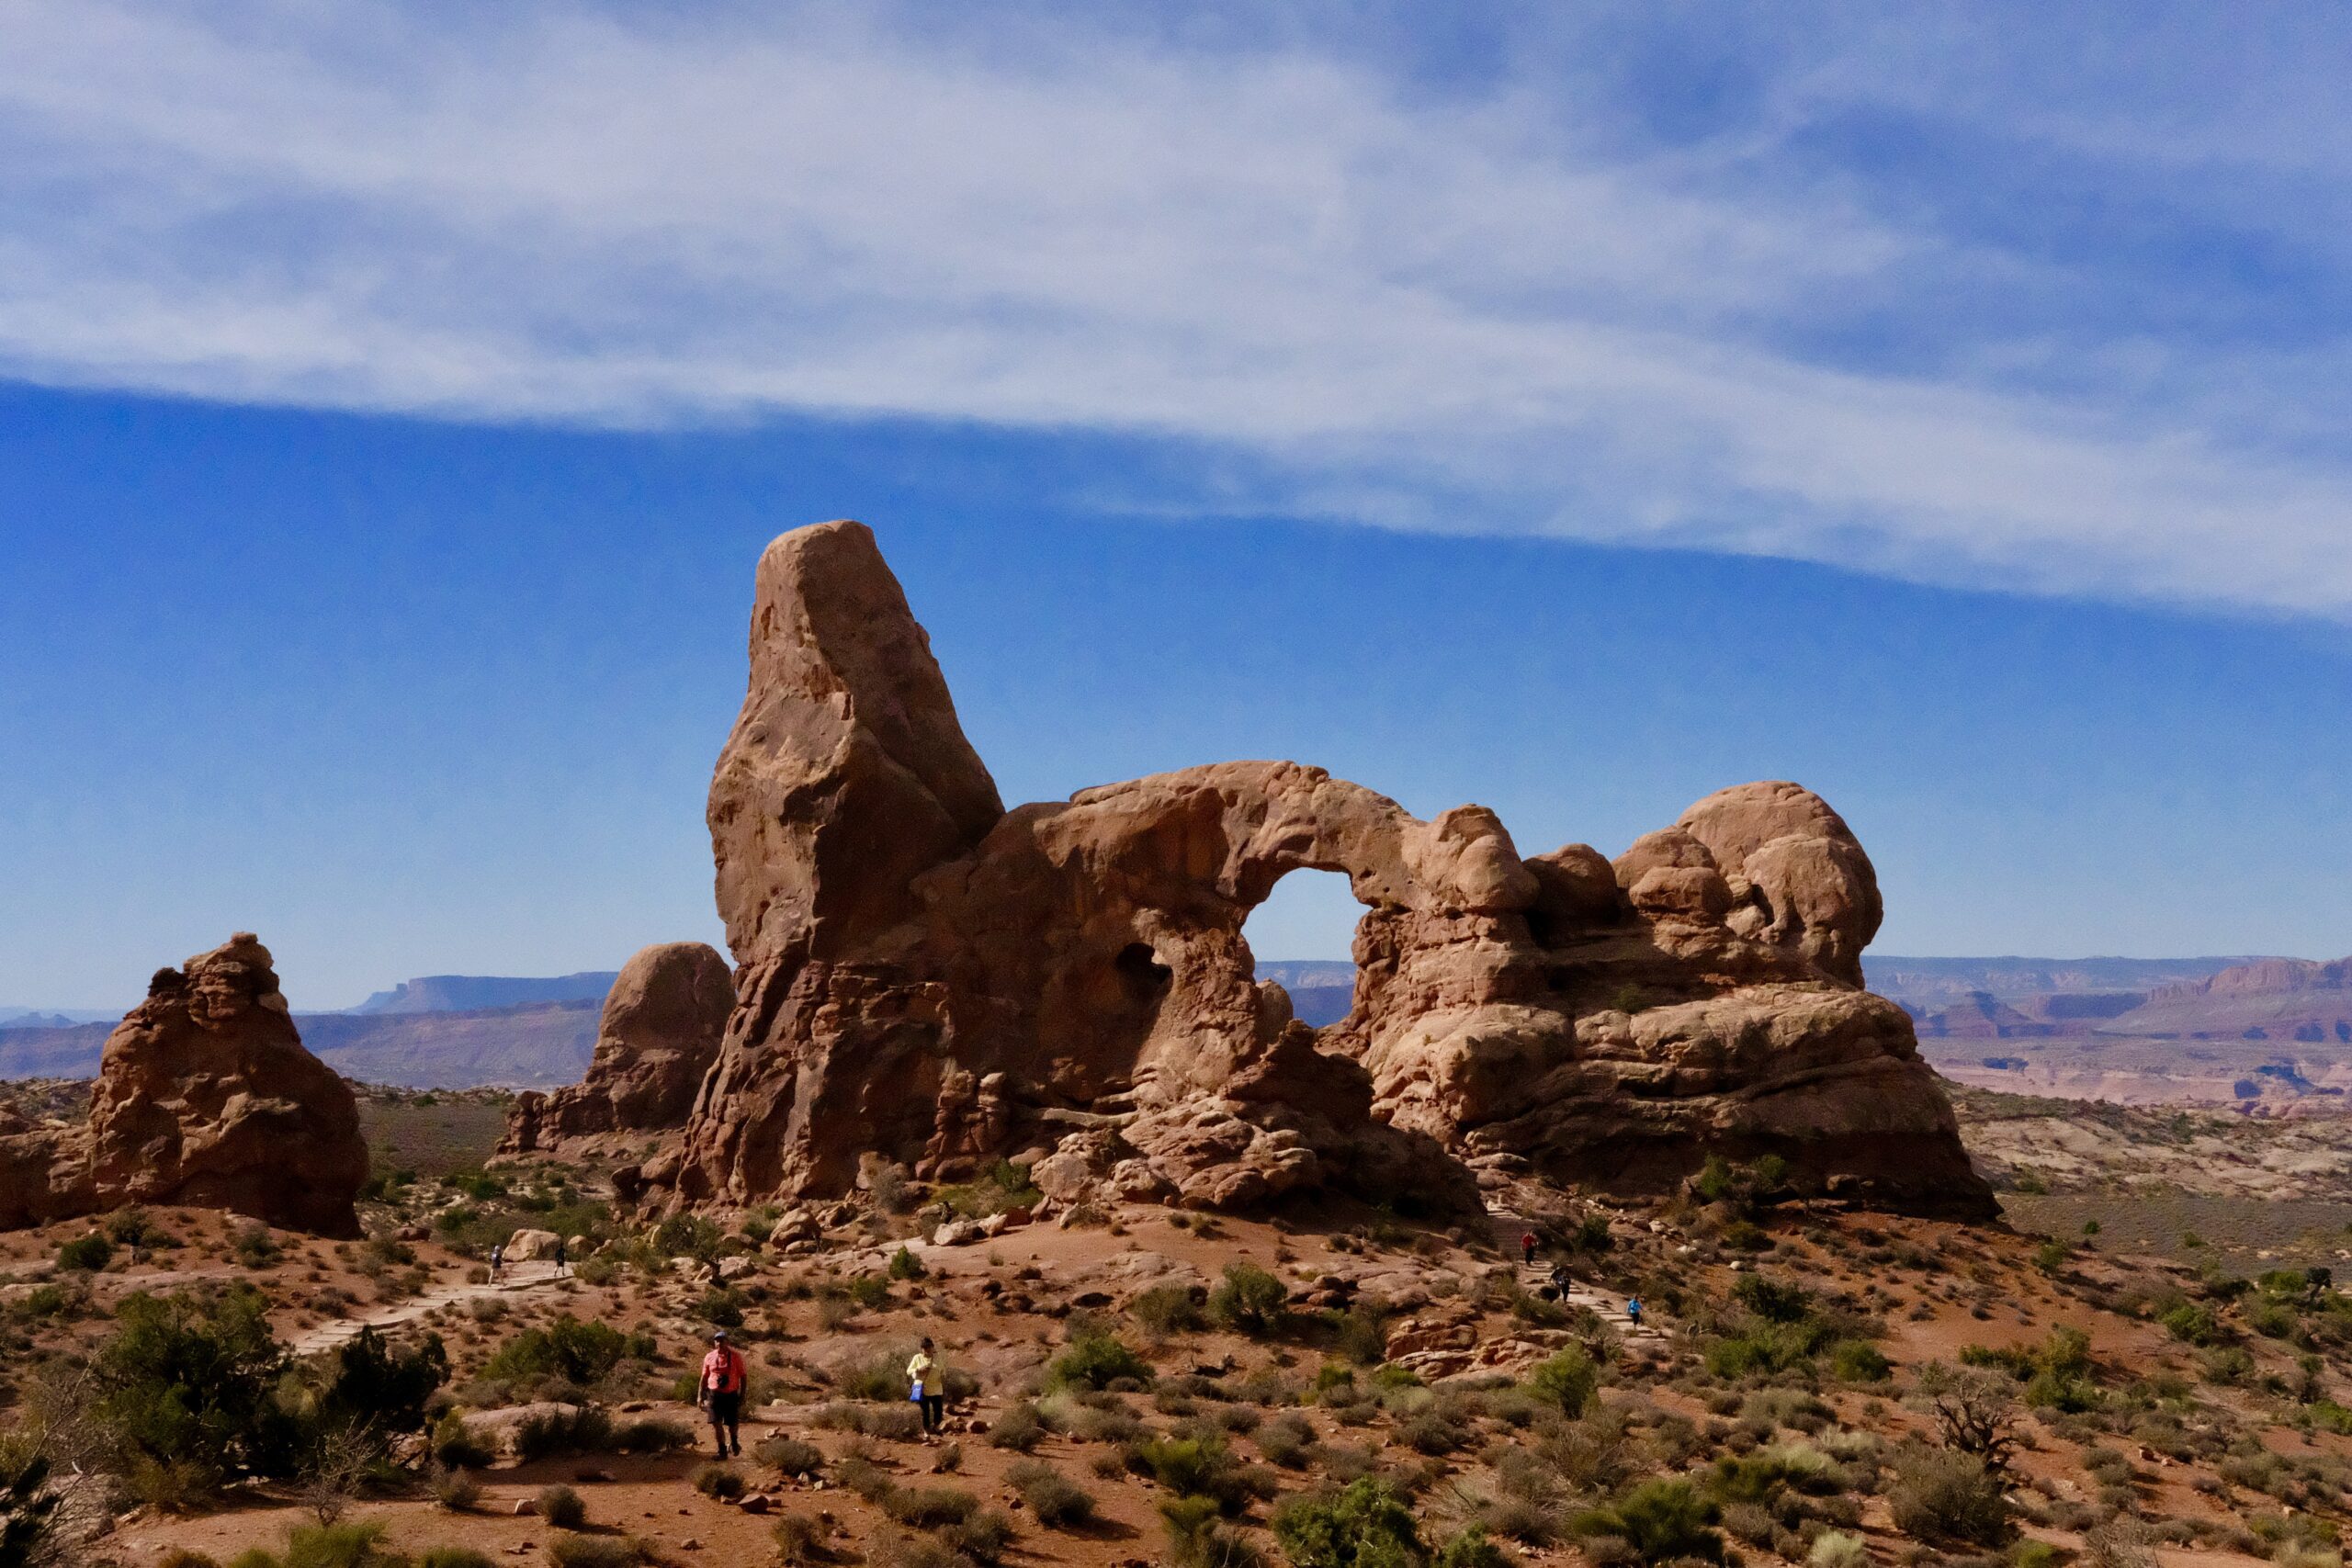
x=1302 y=936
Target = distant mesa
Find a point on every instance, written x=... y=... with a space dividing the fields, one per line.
x=468 y=993
x=929 y=978
x=204 y=1098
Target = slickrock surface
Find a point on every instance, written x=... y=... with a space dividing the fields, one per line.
x=927 y=978
x=206 y=1098
x=659 y=1035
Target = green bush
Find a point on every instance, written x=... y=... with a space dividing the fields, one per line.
x=568 y=1430
x=1053 y=1499
x=1095 y=1359
x=1365 y=1524
x=184 y=1393
x=905 y=1265
x=1469 y=1548
x=651 y=1434
x=1020 y=1427
x=1859 y=1360
x=596 y=1551
x=719 y=1481
x=688 y=1236
x=1249 y=1300
x=1774 y=1301
x=352 y=1543
x=1568 y=1379
x=455 y=1557
x=382 y=1390
x=1166 y=1309
x=789 y=1455
x=458 y=1448
x=580 y=1353
x=1661 y=1520
x=1941 y=1494
x=2193 y=1324
x=85 y=1253
x=1198 y=1465
x=562 y=1507
x=929 y=1507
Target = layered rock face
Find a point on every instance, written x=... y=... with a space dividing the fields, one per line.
x=207 y=1097
x=659 y=1034
x=926 y=977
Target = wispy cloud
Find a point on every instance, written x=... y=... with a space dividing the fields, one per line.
x=1502 y=305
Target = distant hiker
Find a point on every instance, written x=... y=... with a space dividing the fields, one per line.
x=721 y=1392
x=1634 y=1310
x=925 y=1390
x=559 y=1254
x=497 y=1261
x=1527 y=1246
x=1560 y=1280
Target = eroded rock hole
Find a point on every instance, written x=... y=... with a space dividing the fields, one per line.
x=1142 y=972
x=1301 y=936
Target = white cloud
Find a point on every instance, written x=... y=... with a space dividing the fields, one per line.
x=1485 y=311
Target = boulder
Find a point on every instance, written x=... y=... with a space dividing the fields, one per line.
x=206 y=1096
x=530 y=1245
x=655 y=1041
x=928 y=978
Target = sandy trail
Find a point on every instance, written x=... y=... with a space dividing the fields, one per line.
x=514 y=1279
x=1534 y=1277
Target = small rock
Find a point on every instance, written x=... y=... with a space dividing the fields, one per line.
x=524 y=1507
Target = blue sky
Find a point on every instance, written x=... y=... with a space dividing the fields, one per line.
x=1945 y=409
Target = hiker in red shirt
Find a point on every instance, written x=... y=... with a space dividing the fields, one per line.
x=721 y=1392
x=1527 y=1245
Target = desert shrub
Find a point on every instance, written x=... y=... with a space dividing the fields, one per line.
x=596 y=1551
x=651 y=1434
x=354 y=1543
x=1196 y=1538
x=1943 y=1495
x=1469 y=1548
x=1054 y=1499
x=184 y=1393
x=789 y=1455
x=688 y=1236
x=1285 y=1440
x=1360 y=1335
x=905 y=1265
x=455 y=1557
x=454 y=1490
x=381 y=1389
x=567 y=1429
x=1365 y=1523
x=871 y=1291
x=1249 y=1300
x=1567 y=1379
x=2192 y=1323
x=1658 y=1522
x=1096 y=1359
x=1194 y=1466
x=929 y=1507
x=1166 y=1309
x=799 y=1540
x=88 y=1253
x=981 y=1538
x=562 y=1507
x=255 y=1247
x=581 y=1353
x=1834 y=1549
x=1859 y=1360
x=1774 y=1301
x=456 y=1447
x=719 y=1481
x=1020 y=1428
x=722 y=1308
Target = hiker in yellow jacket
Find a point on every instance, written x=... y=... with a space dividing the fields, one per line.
x=927 y=1390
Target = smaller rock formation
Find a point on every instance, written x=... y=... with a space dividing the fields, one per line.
x=663 y=1022
x=207 y=1097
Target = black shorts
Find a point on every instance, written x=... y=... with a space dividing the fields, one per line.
x=726 y=1409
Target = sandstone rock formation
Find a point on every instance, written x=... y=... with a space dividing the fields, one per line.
x=206 y=1098
x=927 y=976
x=660 y=1032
